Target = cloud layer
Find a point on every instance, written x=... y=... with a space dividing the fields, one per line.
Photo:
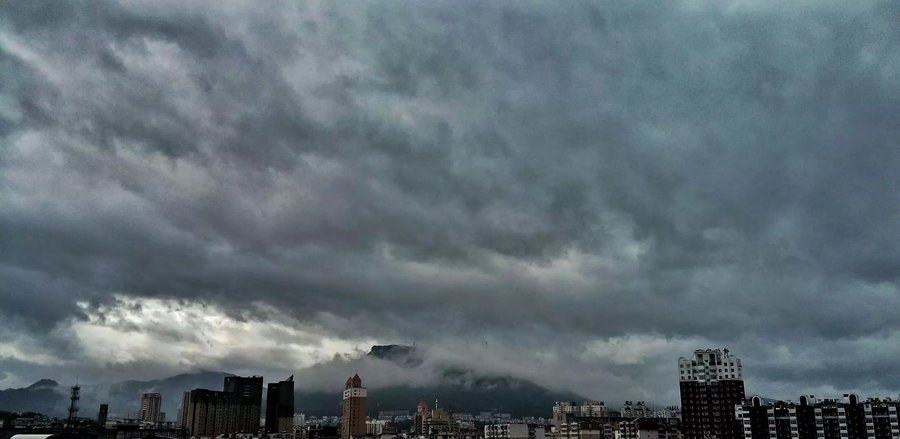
x=597 y=186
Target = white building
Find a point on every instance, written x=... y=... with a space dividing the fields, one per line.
x=709 y=365
x=375 y=427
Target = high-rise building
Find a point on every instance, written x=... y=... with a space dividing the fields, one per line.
x=248 y=393
x=235 y=410
x=711 y=384
x=421 y=417
x=150 y=404
x=208 y=413
x=280 y=406
x=102 y=415
x=353 y=416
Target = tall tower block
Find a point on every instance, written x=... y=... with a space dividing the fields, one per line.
x=353 y=417
x=711 y=383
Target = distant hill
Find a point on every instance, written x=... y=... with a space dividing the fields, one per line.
x=48 y=397
x=458 y=389
x=124 y=397
x=43 y=396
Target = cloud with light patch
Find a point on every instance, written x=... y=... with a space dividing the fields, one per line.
x=596 y=186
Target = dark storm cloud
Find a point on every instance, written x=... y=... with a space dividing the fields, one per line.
x=686 y=171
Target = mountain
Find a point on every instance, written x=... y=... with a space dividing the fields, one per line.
x=457 y=388
x=44 y=396
x=501 y=394
x=43 y=384
x=405 y=356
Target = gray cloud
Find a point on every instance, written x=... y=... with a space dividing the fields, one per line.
x=542 y=176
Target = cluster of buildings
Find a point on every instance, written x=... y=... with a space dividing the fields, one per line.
x=437 y=423
x=593 y=420
x=236 y=408
x=236 y=412
x=714 y=405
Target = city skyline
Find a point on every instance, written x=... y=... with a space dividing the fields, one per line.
x=710 y=383
x=569 y=194
x=714 y=406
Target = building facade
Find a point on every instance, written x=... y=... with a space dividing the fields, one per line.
x=102 y=415
x=637 y=410
x=208 y=413
x=421 y=419
x=514 y=431
x=150 y=405
x=566 y=411
x=848 y=418
x=280 y=406
x=646 y=428
x=711 y=384
x=586 y=428
x=440 y=425
x=353 y=415
x=248 y=394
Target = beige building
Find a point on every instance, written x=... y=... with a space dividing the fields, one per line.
x=150 y=404
x=208 y=413
x=353 y=416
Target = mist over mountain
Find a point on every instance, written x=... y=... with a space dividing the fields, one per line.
x=397 y=376
x=456 y=388
x=400 y=354
x=124 y=397
x=50 y=398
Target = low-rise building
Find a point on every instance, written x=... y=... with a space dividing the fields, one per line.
x=514 y=431
x=645 y=428
x=636 y=410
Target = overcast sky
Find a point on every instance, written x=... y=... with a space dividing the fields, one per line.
x=593 y=188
